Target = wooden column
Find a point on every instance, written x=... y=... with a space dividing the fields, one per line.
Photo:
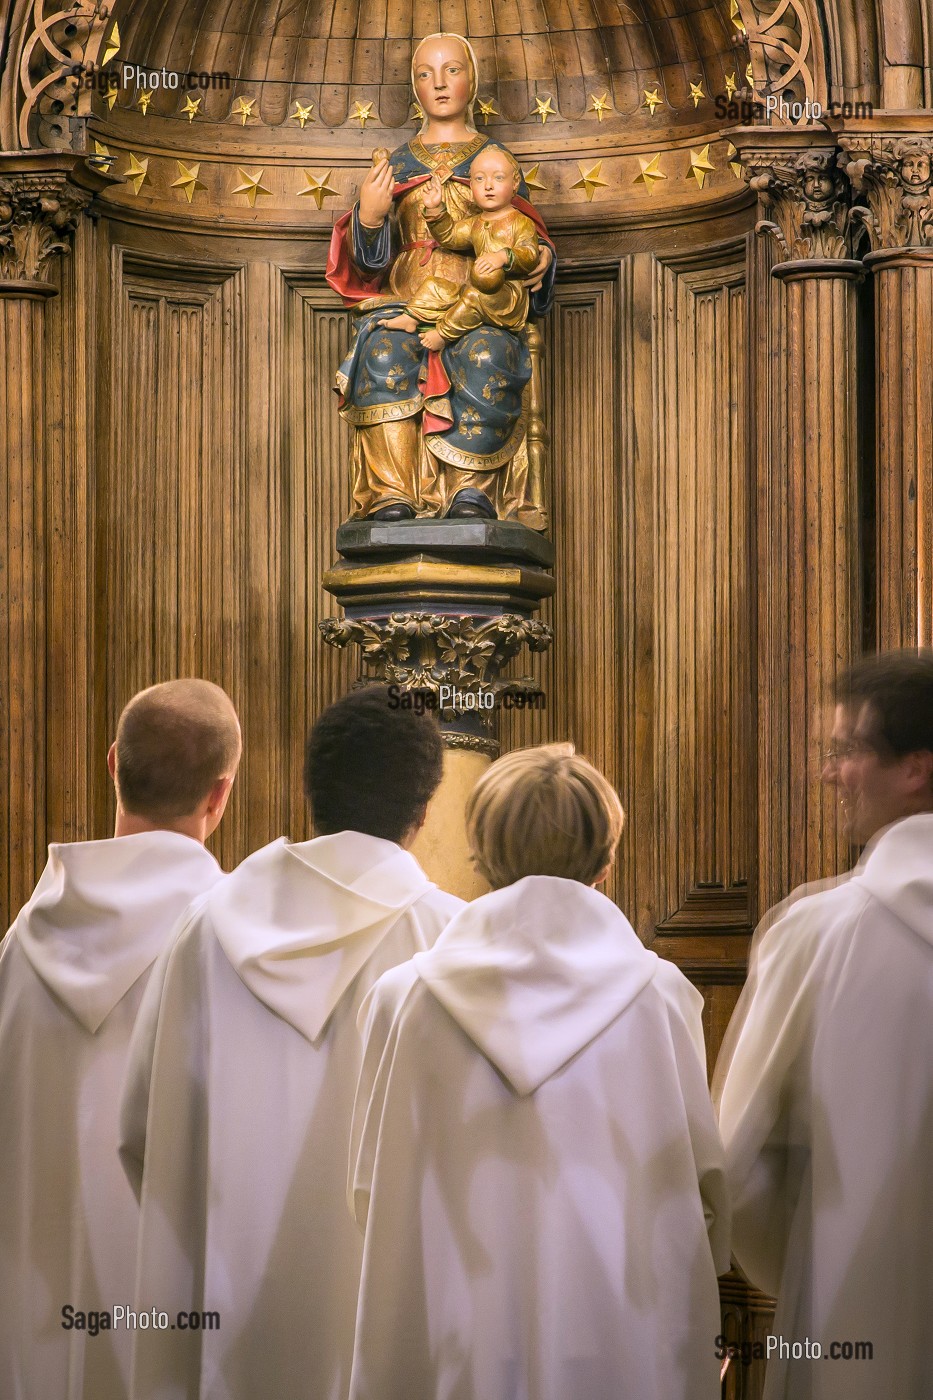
x=38 y=211
x=808 y=555
x=22 y=588
x=894 y=174
x=904 y=481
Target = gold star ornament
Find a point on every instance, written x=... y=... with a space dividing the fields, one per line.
x=417 y=112
x=101 y=159
x=188 y=179
x=362 y=114
x=731 y=87
x=697 y=93
x=701 y=165
x=590 y=180
x=735 y=16
x=112 y=46
x=243 y=108
x=531 y=178
x=319 y=187
x=543 y=109
x=192 y=107
x=110 y=97
x=735 y=164
x=143 y=100
x=251 y=185
x=749 y=75
x=137 y=172
x=302 y=114
x=488 y=109
x=652 y=100
x=599 y=105
x=651 y=172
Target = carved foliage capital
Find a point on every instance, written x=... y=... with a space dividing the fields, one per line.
x=38 y=215
x=894 y=177
x=805 y=199
x=424 y=651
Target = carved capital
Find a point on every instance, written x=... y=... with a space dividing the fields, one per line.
x=423 y=651
x=894 y=177
x=38 y=215
x=804 y=198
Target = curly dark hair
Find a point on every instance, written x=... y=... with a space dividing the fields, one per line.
x=898 y=687
x=371 y=768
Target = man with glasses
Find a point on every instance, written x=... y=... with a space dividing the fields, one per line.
x=826 y=1101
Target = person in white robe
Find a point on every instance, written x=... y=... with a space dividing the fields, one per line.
x=826 y=1099
x=536 y=1163
x=72 y=971
x=237 y=1104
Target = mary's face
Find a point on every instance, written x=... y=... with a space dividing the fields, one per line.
x=442 y=78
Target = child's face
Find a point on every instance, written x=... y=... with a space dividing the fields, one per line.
x=493 y=180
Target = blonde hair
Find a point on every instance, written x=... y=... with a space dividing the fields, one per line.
x=494 y=149
x=471 y=60
x=543 y=811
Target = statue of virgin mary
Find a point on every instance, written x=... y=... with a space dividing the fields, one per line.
x=434 y=433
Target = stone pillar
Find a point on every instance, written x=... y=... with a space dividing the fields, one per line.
x=38 y=211
x=809 y=569
x=894 y=176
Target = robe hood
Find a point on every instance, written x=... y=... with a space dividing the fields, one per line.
x=898 y=872
x=299 y=921
x=101 y=913
x=534 y=972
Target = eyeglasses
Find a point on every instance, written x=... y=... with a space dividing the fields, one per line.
x=851 y=749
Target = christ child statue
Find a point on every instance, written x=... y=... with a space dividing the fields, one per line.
x=506 y=251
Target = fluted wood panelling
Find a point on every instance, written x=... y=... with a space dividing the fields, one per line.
x=224 y=485
x=317 y=477
x=704 y=593
x=904 y=492
x=588 y=675
x=75 y=753
x=808 y=566
x=651 y=669
x=23 y=595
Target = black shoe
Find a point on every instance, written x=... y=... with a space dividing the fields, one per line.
x=470 y=504
x=398 y=510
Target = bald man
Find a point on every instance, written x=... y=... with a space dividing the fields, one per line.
x=72 y=971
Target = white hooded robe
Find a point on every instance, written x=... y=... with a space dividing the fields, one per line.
x=236 y=1116
x=536 y=1165
x=827 y=1117
x=72 y=972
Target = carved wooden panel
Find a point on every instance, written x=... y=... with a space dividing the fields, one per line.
x=222 y=486
x=651 y=673
x=588 y=673
x=316 y=451
x=704 y=599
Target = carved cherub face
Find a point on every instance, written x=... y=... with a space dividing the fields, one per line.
x=818 y=186
x=915 y=170
x=493 y=179
x=443 y=77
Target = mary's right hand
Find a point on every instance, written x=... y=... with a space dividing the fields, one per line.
x=376 y=194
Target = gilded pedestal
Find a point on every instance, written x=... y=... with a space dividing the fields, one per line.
x=439 y=608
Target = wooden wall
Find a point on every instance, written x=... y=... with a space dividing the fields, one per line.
x=651 y=673
x=198 y=472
